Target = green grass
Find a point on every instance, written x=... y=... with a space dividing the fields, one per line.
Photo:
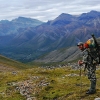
x=61 y=83
x=68 y=88
x=11 y=63
x=61 y=86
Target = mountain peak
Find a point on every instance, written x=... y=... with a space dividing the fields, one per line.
x=89 y=15
x=93 y=11
x=64 y=16
x=63 y=19
x=24 y=19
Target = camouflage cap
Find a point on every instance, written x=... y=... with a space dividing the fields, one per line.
x=80 y=43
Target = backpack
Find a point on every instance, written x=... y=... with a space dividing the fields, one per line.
x=94 y=48
x=91 y=43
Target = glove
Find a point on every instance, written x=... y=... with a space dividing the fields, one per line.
x=80 y=62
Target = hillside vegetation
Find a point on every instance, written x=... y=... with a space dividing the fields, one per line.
x=37 y=83
x=6 y=63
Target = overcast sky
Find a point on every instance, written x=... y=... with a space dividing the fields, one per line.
x=45 y=10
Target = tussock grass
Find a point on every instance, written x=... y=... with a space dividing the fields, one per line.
x=62 y=83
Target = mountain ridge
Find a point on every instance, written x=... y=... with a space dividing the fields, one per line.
x=10 y=27
x=62 y=32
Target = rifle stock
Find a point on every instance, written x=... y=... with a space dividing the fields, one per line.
x=97 y=48
x=95 y=41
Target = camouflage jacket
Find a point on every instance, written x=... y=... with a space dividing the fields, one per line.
x=90 y=56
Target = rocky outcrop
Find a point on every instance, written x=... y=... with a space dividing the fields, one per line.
x=29 y=89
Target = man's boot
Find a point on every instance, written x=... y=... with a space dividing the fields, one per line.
x=92 y=89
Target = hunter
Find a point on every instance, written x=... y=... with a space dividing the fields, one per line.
x=90 y=66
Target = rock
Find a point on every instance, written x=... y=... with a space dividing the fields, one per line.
x=97 y=99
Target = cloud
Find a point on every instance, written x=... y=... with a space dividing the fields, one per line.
x=45 y=10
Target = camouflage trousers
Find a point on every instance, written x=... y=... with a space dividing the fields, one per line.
x=91 y=72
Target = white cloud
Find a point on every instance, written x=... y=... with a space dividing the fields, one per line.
x=45 y=9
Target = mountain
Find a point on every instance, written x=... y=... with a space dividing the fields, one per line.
x=61 y=55
x=11 y=27
x=91 y=15
x=63 y=19
x=63 y=32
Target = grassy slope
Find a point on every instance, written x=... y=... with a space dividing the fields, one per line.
x=61 y=85
x=64 y=87
x=9 y=63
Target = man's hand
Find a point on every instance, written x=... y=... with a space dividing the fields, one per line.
x=80 y=62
